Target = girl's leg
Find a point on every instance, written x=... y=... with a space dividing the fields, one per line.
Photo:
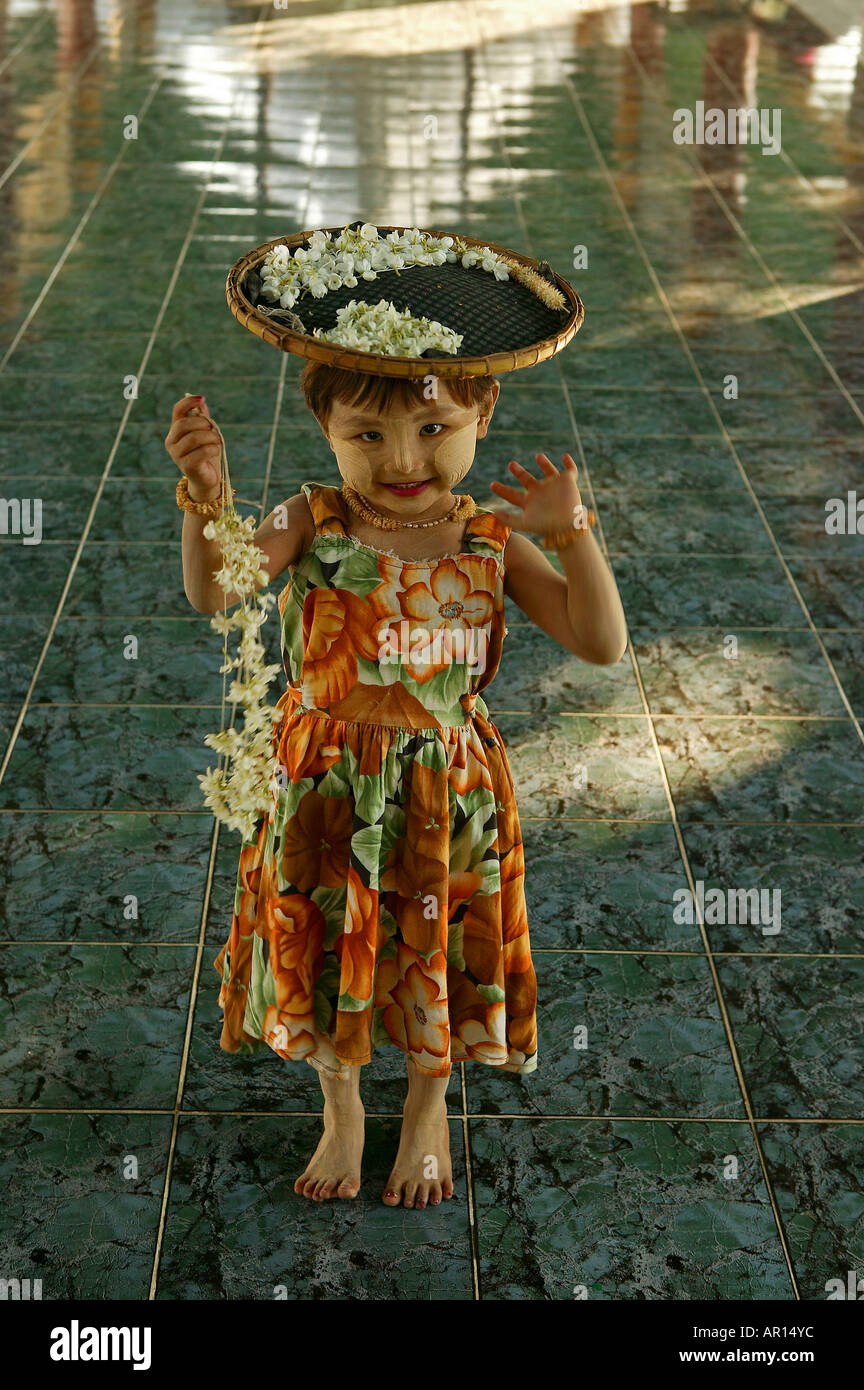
x=422 y=1172
x=334 y=1168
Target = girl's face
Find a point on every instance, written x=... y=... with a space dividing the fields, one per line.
x=406 y=460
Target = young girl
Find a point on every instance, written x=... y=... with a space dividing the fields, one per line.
x=383 y=902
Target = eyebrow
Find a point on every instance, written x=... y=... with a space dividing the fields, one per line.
x=430 y=410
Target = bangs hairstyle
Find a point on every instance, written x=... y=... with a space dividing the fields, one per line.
x=321 y=384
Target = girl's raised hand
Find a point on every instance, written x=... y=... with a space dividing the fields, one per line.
x=194 y=445
x=546 y=504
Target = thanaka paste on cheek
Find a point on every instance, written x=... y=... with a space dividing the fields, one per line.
x=455 y=454
x=353 y=463
x=452 y=458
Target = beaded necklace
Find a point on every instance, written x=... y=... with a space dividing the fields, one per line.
x=464 y=506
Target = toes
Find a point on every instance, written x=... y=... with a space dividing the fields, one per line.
x=322 y=1189
x=417 y=1195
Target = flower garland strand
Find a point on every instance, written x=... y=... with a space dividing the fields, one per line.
x=239 y=796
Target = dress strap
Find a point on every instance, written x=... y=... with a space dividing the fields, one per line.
x=328 y=507
x=485 y=534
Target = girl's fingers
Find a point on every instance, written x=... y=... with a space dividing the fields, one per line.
x=548 y=466
x=524 y=473
x=509 y=494
x=190 y=442
x=191 y=425
x=187 y=403
x=528 y=478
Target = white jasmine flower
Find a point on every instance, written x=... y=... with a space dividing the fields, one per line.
x=382 y=327
x=329 y=263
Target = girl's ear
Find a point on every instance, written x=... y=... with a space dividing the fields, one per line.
x=486 y=416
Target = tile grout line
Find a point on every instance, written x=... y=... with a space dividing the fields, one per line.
x=790 y=163
x=61 y=101
x=754 y=251
x=766 y=717
x=473 y=1231
x=25 y=42
x=635 y=554
x=664 y=300
x=718 y=988
x=455 y=1116
x=690 y=821
x=106 y=470
x=645 y=628
x=71 y=243
x=191 y=945
x=586 y=388
x=148 y=348
x=726 y=1022
x=199 y=945
x=240 y=91
x=205 y=908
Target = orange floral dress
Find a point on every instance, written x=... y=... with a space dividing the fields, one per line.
x=381 y=900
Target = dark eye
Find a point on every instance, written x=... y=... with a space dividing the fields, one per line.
x=435 y=425
x=365 y=432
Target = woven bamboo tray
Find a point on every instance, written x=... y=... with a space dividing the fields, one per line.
x=505 y=325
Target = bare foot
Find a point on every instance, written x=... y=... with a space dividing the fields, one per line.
x=422 y=1172
x=334 y=1168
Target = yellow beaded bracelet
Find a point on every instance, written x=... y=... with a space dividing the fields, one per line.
x=557 y=540
x=213 y=508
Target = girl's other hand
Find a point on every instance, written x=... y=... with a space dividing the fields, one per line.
x=194 y=445
x=547 y=504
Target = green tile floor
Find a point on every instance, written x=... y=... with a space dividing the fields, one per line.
x=707 y=1143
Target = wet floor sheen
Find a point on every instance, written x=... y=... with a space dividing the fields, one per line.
x=705 y=1142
